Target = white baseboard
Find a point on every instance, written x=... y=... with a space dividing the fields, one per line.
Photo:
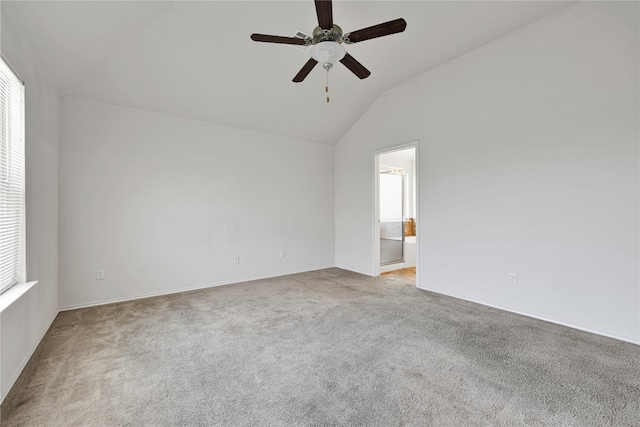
x=546 y=319
x=192 y=288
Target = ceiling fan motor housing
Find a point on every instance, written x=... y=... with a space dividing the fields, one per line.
x=332 y=35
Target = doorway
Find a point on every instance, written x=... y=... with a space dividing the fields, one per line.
x=396 y=207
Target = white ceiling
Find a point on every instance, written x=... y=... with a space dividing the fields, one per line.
x=196 y=60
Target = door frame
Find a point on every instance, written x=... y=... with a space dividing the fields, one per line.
x=376 y=203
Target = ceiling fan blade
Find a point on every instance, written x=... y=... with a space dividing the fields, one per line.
x=385 y=29
x=277 y=39
x=305 y=70
x=355 y=67
x=324 y=10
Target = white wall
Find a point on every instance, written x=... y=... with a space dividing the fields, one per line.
x=164 y=204
x=528 y=165
x=25 y=322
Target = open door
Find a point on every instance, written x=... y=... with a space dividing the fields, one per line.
x=391 y=217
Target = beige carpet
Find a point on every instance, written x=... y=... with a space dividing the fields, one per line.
x=328 y=347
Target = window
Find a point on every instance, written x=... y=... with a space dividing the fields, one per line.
x=12 y=188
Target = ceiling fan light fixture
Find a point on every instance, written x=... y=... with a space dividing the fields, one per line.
x=328 y=53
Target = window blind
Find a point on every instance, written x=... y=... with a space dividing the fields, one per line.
x=12 y=179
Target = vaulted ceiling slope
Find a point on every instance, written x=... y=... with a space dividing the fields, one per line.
x=196 y=60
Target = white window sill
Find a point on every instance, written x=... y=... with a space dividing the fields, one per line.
x=14 y=293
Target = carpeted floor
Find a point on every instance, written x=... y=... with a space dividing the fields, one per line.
x=328 y=347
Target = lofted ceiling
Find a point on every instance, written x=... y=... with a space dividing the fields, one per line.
x=196 y=60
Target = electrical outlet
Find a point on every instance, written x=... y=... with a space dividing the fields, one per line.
x=513 y=278
x=99 y=274
x=282 y=253
x=236 y=259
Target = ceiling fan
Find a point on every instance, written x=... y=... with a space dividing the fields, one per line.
x=326 y=43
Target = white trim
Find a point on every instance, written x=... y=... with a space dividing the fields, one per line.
x=376 y=215
x=193 y=288
x=534 y=316
x=14 y=293
x=417 y=208
x=26 y=359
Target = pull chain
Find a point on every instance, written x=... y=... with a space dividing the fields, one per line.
x=326 y=88
x=327 y=67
